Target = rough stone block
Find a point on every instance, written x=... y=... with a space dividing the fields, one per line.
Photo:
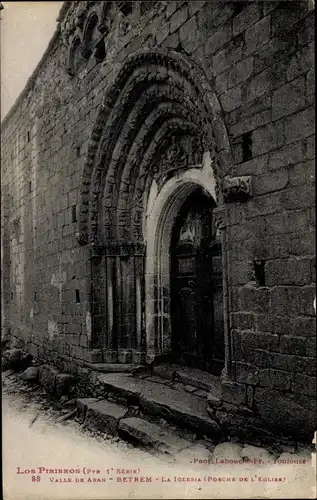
x=224 y=58
x=284 y=17
x=267 y=138
x=294 y=326
x=47 y=377
x=288 y=98
x=265 y=378
x=178 y=18
x=104 y=416
x=281 y=413
x=304 y=385
x=250 y=15
x=240 y=72
x=293 y=300
x=300 y=125
x=232 y=392
x=258 y=86
x=213 y=401
x=297 y=346
x=287 y=155
x=221 y=83
x=188 y=29
x=301 y=62
x=254 y=299
x=231 y=99
x=218 y=39
x=292 y=363
x=258 y=34
x=256 y=166
x=293 y=198
x=287 y=272
x=307 y=32
x=31 y=374
x=268 y=183
x=151 y=435
x=281 y=379
x=246 y=373
x=243 y=321
x=311 y=147
x=257 y=341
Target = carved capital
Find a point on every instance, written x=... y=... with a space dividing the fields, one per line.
x=124 y=248
x=236 y=188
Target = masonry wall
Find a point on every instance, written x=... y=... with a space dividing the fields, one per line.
x=259 y=58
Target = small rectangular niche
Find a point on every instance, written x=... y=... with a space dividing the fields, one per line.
x=247 y=146
x=259 y=272
x=77 y=296
x=28 y=136
x=34 y=297
x=74 y=213
x=30 y=186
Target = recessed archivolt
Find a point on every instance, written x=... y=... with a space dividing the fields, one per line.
x=157 y=94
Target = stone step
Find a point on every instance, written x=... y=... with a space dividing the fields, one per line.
x=180 y=408
x=101 y=415
x=200 y=379
x=150 y=435
x=189 y=376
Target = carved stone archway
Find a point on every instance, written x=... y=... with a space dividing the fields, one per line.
x=162 y=211
x=158 y=119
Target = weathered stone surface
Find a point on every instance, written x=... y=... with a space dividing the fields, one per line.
x=300 y=125
x=288 y=155
x=104 y=416
x=47 y=377
x=166 y=371
x=267 y=138
x=258 y=34
x=178 y=407
x=199 y=379
x=31 y=374
x=231 y=99
x=151 y=435
x=287 y=272
x=274 y=181
x=282 y=413
x=246 y=18
x=288 y=98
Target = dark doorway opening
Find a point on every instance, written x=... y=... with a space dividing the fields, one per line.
x=196 y=286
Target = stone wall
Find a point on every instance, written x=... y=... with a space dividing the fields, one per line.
x=259 y=59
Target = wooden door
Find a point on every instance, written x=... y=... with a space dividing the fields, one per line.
x=196 y=286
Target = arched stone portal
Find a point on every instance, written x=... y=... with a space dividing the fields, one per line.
x=162 y=211
x=159 y=125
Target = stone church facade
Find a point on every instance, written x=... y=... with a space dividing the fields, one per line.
x=158 y=198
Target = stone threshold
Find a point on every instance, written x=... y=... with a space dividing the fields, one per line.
x=155 y=400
